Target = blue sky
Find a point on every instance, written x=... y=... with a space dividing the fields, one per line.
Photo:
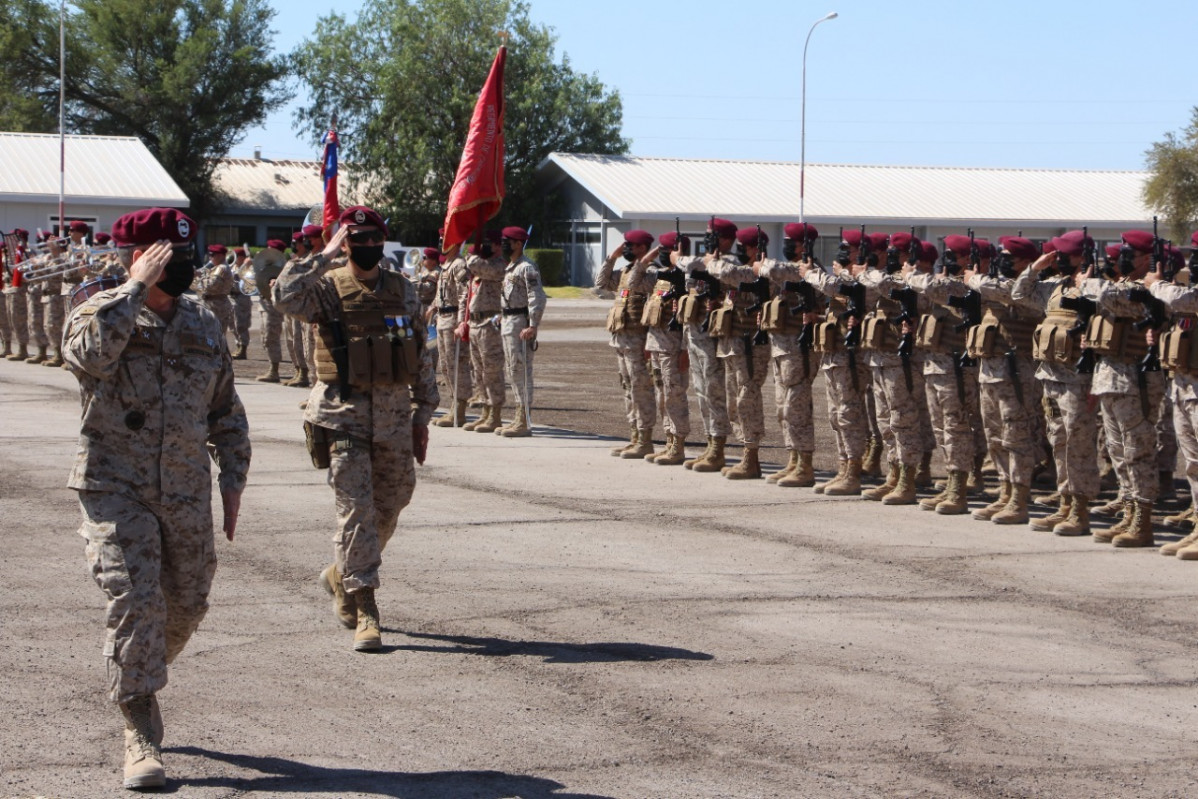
x=1045 y=84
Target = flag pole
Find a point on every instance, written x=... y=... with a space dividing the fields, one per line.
x=62 y=138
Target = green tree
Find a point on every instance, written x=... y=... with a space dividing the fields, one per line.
x=403 y=79
x=29 y=97
x=1173 y=188
x=187 y=77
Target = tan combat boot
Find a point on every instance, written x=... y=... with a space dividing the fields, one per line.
x=143 y=755
x=715 y=459
x=519 y=427
x=792 y=463
x=841 y=467
x=1139 y=533
x=1015 y=511
x=1051 y=521
x=675 y=453
x=271 y=376
x=689 y=463
x=748 y=468
x=1189 y=552
x=1176 y=547
x=871 y=465
x=344 y=606
x=7 y=350
x=300 y=380
x=904 y=489
x=849 y=485
x=1183 y=519
x=1052 y=500
x=930 y=503
x=1112 y=508
x=876 y=493
x=923 y=475
x=976 y=482
x=1004 y=496
x=494 y=419
x=482 y=419
x=802 y=476
x=632 y=433
x=54 y=362
x=644 y=445
x=1078 y=522
x=653 y=456
x=21 y=354
x=367 y=638
x=1119 y=527
x=955 y=501
x=39 y=358
x=241 y=353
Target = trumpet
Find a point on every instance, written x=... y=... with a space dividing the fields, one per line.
x=60 y=266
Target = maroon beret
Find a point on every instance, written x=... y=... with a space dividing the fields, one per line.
x=957 y=243
x=852 y=237
x=153 y=224
x=901 y=240
x=1072 y=243
x=276 y=244
x=985 y=248
x=800 y=231
x=298 y=236
x=432 y=252
x=515 y=233
x=1140 y=240
x=218 y=249
x=1048 y=247
x=878 y=241
x=240 y=252
x=361 y=215
x=43 y=235
x=103 y=238
x=723 y=228
x=670 y=240
x=928 y=252
x=312 y=230
x=639 y=237
x=78 y=227
x=1020 y=247
x=1112 y=251
x=441 y=232
x=748 y=236
x=1194 y=239
x=1175 y=255
x=22 y=233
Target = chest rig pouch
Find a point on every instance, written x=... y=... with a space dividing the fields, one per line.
x=1054 y=340
x=777 y=318
x=625 y=314
x=980 y=340
x=1116 y=339
x=1179 y=352
x=382 y=343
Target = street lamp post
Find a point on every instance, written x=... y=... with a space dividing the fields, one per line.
x=803 y=124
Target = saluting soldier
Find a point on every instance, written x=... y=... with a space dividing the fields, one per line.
x=524 y=300
x=15 y=299
x=300 y=335
x=243 y=304
x=213 y=284
x=483 y=304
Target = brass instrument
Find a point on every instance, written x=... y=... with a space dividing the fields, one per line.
x=44 y=267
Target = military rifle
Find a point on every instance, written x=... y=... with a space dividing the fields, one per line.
x=855 y=292
x=975 y=254
x=842 y=251
x=913 y=249
x=1159 y=256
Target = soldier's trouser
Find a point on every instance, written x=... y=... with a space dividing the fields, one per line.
x=6 y=331
x=1185 y=422
x=272 y=332
x=676 y=417
x=898 y=412
x=872 y=414
x=639 y=402
x=372 y=482
x=710 y=391
x=1073 y=435
x=18 y=315
x=447 y=343
x=222 y=309
x=1166 y=436
x=486 y=358
x=1009 y=431
x=298 y=335
x=748 y=423
x=243 y=312
x=1131 y=439
x=37 y=318
x=518 y=356
x=792 y=397
x=155 y=564
x=846 y=404
x=54 y=316
x=951 y=418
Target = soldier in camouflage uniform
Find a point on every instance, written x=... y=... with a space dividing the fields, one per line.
x=426 y=289
x=523 y=300
x=449 y=307
x=1057 y=348
x=48 y=314
x=157 y=386
x=243 y=304
x=15 y=301
x=367 y=417
x=300 y=335
x=483 y=304
x=213 y=284
x=267 y=268
x=628 y=337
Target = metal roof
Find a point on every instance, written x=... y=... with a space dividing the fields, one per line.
x=259 y=184
x=768 y=191
x=104 y=170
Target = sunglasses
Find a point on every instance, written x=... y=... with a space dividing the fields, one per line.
x=365 y=237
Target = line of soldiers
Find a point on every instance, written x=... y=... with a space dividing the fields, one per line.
x=487 y=306
x=1035 y=355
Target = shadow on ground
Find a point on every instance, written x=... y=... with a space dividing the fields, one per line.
x=550 y=651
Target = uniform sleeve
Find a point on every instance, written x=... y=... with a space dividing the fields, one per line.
x=605 y=279
x=98 y=330
x=536 y=293
x=300 y=287
x=1113 y=296
x=228 y=429
x=730 y=273
x=639 y=278
x=1177 y=299
x=779 y=272
x=487 y=268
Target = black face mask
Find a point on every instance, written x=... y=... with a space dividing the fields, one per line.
x=663 y=258
x=1127 y=260
x=1065 y=264
x=629 y=255
x=790 y=249
x=366 y=257
x=742 y=254
x=177 y=276
x=507 y=249
x=486 y=250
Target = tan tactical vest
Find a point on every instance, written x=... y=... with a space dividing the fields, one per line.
x=776 y=317
x=657 y=314
x=1179 y=352
x=733 y=319
x=830 y=333
x=378 y=354
x=1116 y=339
x=878 y=331
x=1053 y=342
x=1000 y=331
x=625 y=314
x=940 y=334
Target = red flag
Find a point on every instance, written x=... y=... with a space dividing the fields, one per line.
x=477 y=192
x=328 y=171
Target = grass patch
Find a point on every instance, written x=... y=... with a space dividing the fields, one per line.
x=566 y=292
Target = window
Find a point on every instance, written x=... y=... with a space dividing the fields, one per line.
x=231 y=235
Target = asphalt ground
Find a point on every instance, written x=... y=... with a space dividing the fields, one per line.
x=561 y=623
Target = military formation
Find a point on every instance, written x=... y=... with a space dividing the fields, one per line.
x=1035 y=357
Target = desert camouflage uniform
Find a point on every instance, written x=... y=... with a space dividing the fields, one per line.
x=158 y=397
x=372 y=469
x=522 y=289
x=640 y=405
x=450 y=305
x=213 y=284
x=746 y=364
x=426 y=290
x=665 y=348
x=707 y=369
x=243 y=313
x=1183 y=390
x=1070 y=422
x=53 y=310
x=845 y=396
x=486 y=343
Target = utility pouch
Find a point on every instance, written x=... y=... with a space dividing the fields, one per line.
x=828 y=337
x=317 y=440
x=360 y=362
x=720 y=325
x=979 y=341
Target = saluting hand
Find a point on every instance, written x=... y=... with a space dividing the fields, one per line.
x=148 y=267
x=333 y=248
x=1082 y=277
x=650 y=256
